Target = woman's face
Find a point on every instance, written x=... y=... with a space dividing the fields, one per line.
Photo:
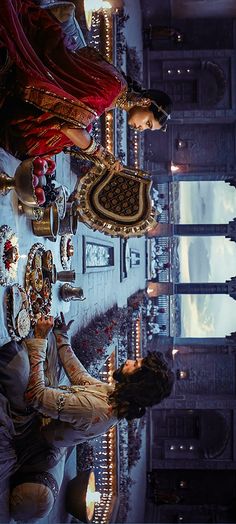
x=141 y=118
x=131 y=366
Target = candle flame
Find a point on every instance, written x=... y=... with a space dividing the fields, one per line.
x=174 y=168
x=174 y=351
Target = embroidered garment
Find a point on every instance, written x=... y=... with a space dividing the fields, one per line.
x=51 y=81
x=80 y=411
x=21 y=442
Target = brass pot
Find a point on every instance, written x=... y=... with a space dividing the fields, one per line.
x=69 y=224
x=48 y=226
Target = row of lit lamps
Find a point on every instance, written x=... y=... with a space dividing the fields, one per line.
x=106 y=458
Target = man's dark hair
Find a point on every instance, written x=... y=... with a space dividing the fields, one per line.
x=146 y=387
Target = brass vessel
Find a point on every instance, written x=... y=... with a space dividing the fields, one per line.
x=48 y=226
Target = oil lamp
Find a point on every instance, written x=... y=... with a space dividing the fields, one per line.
x=81 y=496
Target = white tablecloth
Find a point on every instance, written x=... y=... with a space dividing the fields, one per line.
x=21 y=226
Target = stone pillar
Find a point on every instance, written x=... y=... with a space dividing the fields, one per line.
x=161 y=230
x=169 y=230
x=200 y=229
x=208 y=288
x=223 y=345
x=156 y=289
x=200 y=342
x=201 y=288
x=227 y=230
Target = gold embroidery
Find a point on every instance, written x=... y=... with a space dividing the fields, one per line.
x=53 y=140
x=74 y=112
x=35 y=146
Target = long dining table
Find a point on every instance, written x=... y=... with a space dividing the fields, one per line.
x=21 y=226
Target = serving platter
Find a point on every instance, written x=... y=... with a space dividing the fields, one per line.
x=66 y=251
x=38 y=281
x=18 y=316
x=9 y=255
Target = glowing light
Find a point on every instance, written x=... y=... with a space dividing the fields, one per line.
x=174 y=351
x=93 y=496
x=174 y=168
x=94 y=5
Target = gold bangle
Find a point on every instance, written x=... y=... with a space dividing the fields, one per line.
x=109 y=158
x=93 y=146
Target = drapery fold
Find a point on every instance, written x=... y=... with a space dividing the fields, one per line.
x=51 y=83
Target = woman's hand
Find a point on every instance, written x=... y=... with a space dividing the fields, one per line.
x=60 y=325
x=43 y=327
x=108 y=159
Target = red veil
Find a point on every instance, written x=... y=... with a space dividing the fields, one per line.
x=50 y=83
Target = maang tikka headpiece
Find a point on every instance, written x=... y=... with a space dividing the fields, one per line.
x=129 y=100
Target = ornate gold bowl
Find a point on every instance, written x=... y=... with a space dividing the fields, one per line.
x=22 y=182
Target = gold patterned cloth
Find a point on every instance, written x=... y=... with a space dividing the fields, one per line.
x=116 y=203
x=52 y=83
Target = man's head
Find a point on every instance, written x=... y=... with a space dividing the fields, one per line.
x=142 y=383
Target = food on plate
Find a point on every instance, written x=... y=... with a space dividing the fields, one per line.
x=17 y=300
x=51 y=165
x=46 y=290
x=36 y=279
x=23 y=323
x=69 y=248
x=35 y=180
x=42 y=181
x=37 y=262
x=37 y=305
x=40 y=166
x=40 y=195
x=48 y=259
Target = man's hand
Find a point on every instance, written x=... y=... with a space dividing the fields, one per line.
x=60 y=324
x=43 y=327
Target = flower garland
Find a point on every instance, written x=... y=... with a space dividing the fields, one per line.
x=92 y=343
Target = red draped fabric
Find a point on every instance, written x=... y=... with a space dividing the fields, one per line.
x=50 y=83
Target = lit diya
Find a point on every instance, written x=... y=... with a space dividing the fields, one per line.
x=81 y=496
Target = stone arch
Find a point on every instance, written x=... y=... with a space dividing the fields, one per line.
x=212 y=84
x=214 y=431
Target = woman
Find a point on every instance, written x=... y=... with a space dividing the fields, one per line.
x=55 y=89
